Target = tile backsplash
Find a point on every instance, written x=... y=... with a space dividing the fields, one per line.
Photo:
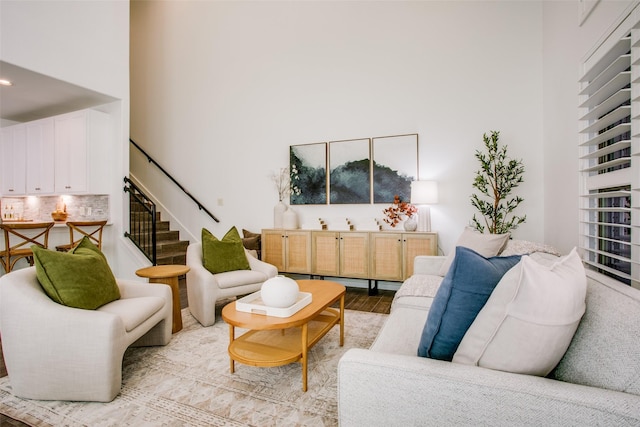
x=78 y=207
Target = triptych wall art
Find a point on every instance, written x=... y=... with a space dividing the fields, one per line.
x=354 y=171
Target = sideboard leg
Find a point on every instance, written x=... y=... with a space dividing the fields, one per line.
x=373 y=290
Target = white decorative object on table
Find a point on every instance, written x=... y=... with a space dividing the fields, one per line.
x=253 y=304
x=282 y=180
x=278 y=211
x=290 y=219
x=410 y=224
x=279 y=291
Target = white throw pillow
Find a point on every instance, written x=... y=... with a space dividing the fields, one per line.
x=530 y=318
x=487 y=245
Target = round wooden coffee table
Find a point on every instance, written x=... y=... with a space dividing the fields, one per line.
x=168 y=274
x=276 y=341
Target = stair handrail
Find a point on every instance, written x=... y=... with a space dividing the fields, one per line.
x=150 y=160
x=135 y=233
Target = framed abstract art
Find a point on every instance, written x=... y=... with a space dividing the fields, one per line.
x=350 y=171
x=308 y=173
x=395 y=165
x=354 y=171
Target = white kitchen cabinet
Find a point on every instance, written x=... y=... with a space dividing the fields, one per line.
x=13 y=150
x=40 y=156
x=83 y=143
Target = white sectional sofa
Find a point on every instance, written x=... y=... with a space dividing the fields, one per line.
x=596 y=383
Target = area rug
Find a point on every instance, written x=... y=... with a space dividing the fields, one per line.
x=188 y=383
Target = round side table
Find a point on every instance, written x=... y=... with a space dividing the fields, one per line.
x=167 y=274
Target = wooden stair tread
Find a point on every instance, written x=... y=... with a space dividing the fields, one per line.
x=169 y=248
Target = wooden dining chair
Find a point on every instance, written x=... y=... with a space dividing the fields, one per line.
x=80 y=229
x=18 y=239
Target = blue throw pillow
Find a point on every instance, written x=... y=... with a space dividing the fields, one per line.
x=463 y=292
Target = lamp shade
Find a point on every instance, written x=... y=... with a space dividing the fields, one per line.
x=424 y=192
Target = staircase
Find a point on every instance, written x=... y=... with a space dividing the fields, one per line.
x=169 y=248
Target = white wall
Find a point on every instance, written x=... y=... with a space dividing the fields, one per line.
x=85 y=43
x=220 y=90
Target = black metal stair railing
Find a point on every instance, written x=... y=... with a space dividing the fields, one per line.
x=142 y=216
x=142 y=221
x=184 y=190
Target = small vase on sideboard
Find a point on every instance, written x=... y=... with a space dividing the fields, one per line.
x=278 y=211
x=290 y=219
x=410 y=224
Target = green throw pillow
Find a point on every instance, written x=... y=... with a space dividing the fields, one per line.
x=223 y=255
x=81 y=278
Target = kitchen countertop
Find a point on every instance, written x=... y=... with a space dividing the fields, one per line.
x=55 y=225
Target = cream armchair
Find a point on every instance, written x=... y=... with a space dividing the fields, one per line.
x=205 y=288
x=55 y=352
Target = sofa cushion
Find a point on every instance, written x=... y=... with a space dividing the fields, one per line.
x=240 y=278
x=528 y=322
x=462 y=294
x=487 y=245
x=134 y=311
x=80 y=278
x=219 y=256
x=604 y=350
x=401 y=332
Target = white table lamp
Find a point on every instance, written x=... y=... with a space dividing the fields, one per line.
x=424 y=193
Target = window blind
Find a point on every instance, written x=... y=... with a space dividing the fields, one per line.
x=609 y=101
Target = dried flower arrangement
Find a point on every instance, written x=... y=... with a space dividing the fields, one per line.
x=394 y=213
x=282 y=181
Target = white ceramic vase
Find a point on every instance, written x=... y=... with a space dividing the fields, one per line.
x=290 y=219
x=410 y=224
x=278 y=211
x=279 y=292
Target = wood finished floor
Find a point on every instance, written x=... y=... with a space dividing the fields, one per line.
x=355 y=299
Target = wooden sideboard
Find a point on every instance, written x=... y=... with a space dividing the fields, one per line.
x=370 y=255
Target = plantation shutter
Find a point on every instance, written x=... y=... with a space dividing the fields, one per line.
x=609 y=101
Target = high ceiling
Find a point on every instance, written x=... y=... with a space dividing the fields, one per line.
x=34 y=96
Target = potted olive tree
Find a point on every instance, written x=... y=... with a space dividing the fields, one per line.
x=495 y=180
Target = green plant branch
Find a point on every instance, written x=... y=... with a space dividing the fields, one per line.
x=497 y=177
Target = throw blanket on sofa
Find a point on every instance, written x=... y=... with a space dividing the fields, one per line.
x=419 y=285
